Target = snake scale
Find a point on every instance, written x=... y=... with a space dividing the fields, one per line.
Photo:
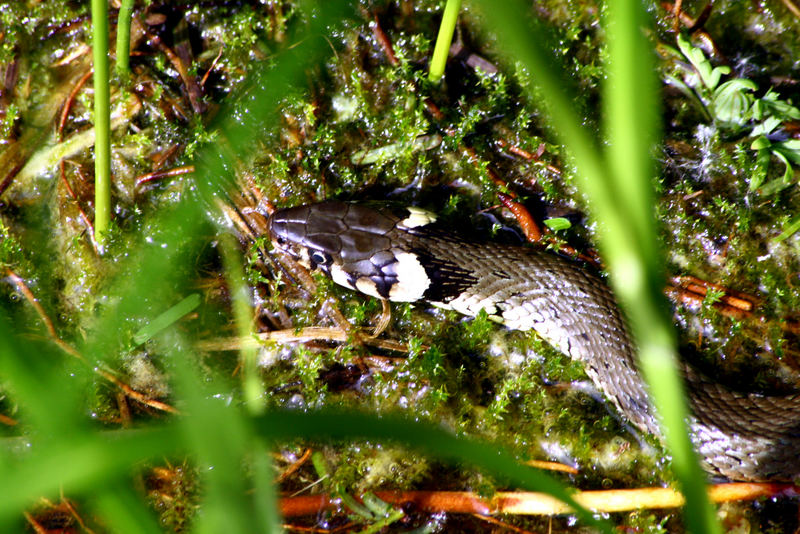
x=402 y=255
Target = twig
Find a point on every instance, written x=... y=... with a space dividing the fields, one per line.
x=694 y=26
x=473 y=158
x=135 y=395
x=6 y=420
x=69 y=349
x=384 y=41
x=71 y=192
x=686 y=296
x=37 y=527
x=211 y=68
x=331 y=308
x=51 y=329
x=68 y=505
x=607 y=501
x=552 y=466
x=524 y=154
x=676 y=12
x=295 y=466
x=702 y=18
x=791 y=6
x=69 y=101
x=311 y=333
x=536 y=503
x=151 y=176
x=501 y=524
x=192 y=88
x=161 y=157
x=734 y=299
x=526 y=223
x=384 y=320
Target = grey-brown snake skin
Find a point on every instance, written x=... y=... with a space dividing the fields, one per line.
x=739 y=436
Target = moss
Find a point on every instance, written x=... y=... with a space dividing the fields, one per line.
x=174 y=493
x=11 y=250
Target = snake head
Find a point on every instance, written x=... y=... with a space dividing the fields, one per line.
x=291 y=231
x=359 y=247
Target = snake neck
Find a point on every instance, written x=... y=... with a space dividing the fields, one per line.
x=569 y=308
x=739 y=436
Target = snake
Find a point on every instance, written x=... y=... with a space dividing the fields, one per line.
x=404 y=255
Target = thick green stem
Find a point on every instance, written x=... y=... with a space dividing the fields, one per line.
x=443 y=40
x=102 y=122
x=124 y=39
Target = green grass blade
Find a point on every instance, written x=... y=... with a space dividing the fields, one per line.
x=631 y=112
x=79 y=465
x=218 y=435
x=252 y=387
x=167 y=318
x=789 y=229
x=123 y=510
x=529 y=42
x=631 y=117
x=618 y=185
x=264 y=489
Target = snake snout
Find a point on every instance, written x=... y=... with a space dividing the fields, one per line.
x=287 y=230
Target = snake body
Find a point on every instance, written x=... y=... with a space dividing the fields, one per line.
x=402 y=255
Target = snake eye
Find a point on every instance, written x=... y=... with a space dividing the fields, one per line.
x=318 y=258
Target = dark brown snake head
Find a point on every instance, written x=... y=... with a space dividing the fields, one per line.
x=357 y=246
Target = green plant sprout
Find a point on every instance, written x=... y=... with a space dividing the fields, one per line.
x=102 y=123
x=124 y=39
x=732 y=106
x=443 y=40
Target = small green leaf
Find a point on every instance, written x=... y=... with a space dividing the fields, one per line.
x=356 y=507
x=771 y=104
x=166 y=319
x=375 y=505
x=788 y=173
x=708 y=75
x=760 y=143
x=767 y=126
x=760 y=171
x=557 y=223
x=732 y=101
x=790 y=149
x=776 y=185
x=320 y=465
x=792 y=227
x=392 y=151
